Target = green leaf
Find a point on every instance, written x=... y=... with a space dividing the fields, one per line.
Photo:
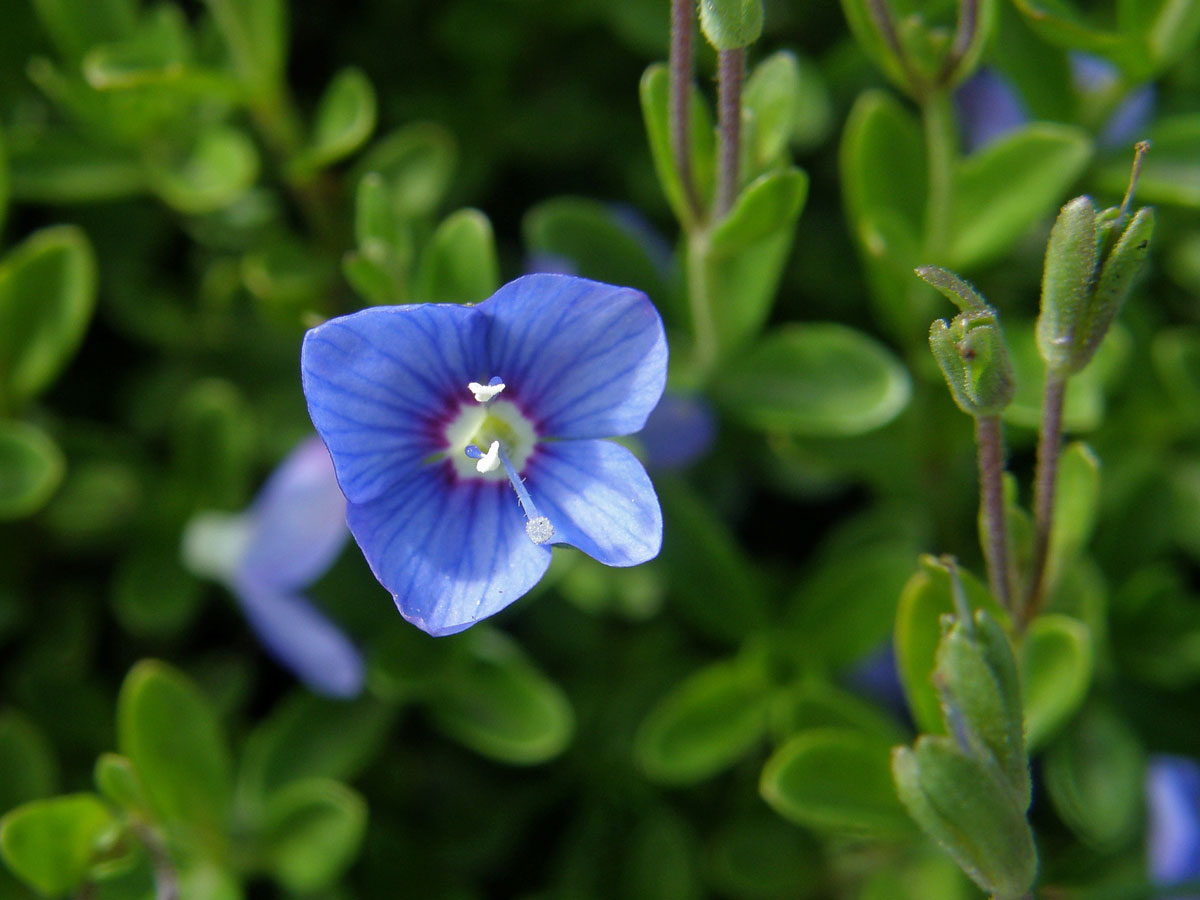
x=5 y=189
x=31 y=469
x=116 y=779
x=215 y=171
x=760 y=857
x=50 y=844
x=886 y=203
x=715 y=586
x=157 y=52
x=819 y=379
x=1059 y=22
x=705 y=724
x=255 y=31
x=736 y=291
x=416 y=163
x=598 y=246
x=1008 y=186
x=869 y=39
x=932 y=874
x=311 y=737
x=815 y=703
x=846 y=607
x=152 y=594
x=1095 y=774
x=654 y=93
x=923 y=602
x=835 y=780
x=1076 y=507
x=879 y=127
x=314 y=829
x=662 y=859
x=287 y=277
x=47 y=294
x=787 y=101
x=344 y=120
x=76 y=27
x=976 y=677
x=171 y=734
x=731 y=24
x=459 y=263
x=27 y=767
x=57 y=167
x=203 y=879
x=213 y=442
x=493 y=700
x=1056 y=672
x=768 y=205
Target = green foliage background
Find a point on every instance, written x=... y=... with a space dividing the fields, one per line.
x=178 y=206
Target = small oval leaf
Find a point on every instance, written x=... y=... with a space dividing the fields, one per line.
x=31 y=469
x=705 y=724
x=1056 y=672
x=816 y=379
x=835 y=780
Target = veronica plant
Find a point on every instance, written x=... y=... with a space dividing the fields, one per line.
x=431 y=412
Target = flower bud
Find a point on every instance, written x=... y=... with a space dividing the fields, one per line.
x=974 y=360
x=976 y=677
x=964 y=803
x=1088 y=274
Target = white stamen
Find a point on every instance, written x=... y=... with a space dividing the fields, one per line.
x=485 y=392
x=489 y=460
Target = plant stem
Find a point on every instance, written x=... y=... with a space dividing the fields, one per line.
x=699 y=302
x=964 y=36
x=731 y=66
x=678 y=100
x=941 y=146
x=989 y=435
x=1043 y=500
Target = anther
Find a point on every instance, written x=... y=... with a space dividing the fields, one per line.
x=486 y=462
x=485 y=392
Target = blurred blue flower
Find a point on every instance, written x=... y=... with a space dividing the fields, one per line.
x=1173 y=801
x=988 y=108
x=286 y=540
x=431 y=411
x=678 y=432
x=1128 y=122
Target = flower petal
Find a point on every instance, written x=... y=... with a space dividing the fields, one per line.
x=303 y=640
x=679 y=431
x=298 y=522
x=585 y=359
x=599 y=499
x=451 y=552
x=1173 y=801
x=381 y=383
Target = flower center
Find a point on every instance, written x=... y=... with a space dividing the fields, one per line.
x=492 y=439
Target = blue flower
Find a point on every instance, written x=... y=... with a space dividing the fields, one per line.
x=679 y=431
x=1173 y=801
x=1097 y=78
x=988 y=108
x=289 y=537
x=432 y=411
